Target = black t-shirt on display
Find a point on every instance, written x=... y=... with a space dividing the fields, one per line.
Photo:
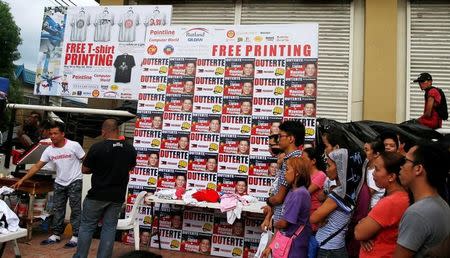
x=110 y=162
x=123 y=64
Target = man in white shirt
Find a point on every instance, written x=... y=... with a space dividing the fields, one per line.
x=66 y=157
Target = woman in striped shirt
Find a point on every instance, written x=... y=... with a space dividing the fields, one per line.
x=333 y=218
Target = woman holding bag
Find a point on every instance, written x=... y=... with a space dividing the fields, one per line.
x=294 y=230
x=331 y=236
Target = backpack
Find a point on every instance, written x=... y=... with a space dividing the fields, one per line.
x=442 y=108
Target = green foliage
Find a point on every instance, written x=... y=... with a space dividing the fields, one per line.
x=9 y=41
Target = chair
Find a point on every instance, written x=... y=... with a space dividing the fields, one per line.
x=132 y=222
x=12 y=236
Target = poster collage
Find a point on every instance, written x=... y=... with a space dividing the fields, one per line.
x=209 y=98
x=94 y=52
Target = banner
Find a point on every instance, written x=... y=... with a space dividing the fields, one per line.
x=209 y=98
x=95 y=52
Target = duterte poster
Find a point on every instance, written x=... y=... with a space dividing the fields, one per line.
x=208 y=98
x=97 y=52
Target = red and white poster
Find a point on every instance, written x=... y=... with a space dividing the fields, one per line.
x=170 y=239
x=209 y=97
x=198 y=221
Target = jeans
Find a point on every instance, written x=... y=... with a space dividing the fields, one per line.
x=72 y=192
x=313 y=247
x=93 y=211
x=334 y=253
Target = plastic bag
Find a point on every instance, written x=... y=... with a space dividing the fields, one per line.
x=266 y=238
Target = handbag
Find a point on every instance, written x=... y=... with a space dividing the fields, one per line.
x=266 y=237
x=281 y=244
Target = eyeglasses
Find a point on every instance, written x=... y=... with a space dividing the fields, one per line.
x=412 y=161
x=277 y=137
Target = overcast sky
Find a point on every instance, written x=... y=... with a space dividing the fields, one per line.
x=28 y=16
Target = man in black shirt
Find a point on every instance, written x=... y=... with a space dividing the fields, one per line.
x=109 y=162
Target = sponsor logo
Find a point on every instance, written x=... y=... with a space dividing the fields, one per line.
x=211 y=186
x=152 y=49
x=277 y=111
x=207 y=227
x=279 y=72
x=278 y=91
x=185 y=126
x=182 y=164
x=174 y=244
x=196 y=34
x=217 y=109
x=242 y=169
x=258 y=39
x=218 y=89
x=110 y=94
x=125 y=95
x=231 y=34
x=147 y=219
x=236 y=251
x=151 y=181
x=168 y=50
x=282 y=38
x=95 y=93
x=155 y=143
x=309 y=132
x=161 y=87
x=219 y=71
x=159 y=106
x=114 y=87
x=245 y=129
x=213 y=147
x=163 y=70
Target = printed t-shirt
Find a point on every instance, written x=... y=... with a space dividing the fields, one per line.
x=66 y=160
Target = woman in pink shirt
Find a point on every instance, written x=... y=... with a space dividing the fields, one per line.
x=318 y=177
x=378 y=231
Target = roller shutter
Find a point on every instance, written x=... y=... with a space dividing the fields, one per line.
x=428 y=51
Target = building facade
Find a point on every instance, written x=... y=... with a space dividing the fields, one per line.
x=370 y=51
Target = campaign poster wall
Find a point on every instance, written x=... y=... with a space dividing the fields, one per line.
x=96 y=52
x=209 y=98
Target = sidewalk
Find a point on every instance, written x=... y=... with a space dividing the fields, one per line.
x=33 y=249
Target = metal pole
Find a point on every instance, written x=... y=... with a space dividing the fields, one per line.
x=9 y=139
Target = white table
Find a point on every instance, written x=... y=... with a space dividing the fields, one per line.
x=253 y=207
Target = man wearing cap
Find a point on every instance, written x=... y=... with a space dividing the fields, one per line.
x=430 y=117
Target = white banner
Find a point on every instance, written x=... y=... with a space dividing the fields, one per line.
x=97 y=51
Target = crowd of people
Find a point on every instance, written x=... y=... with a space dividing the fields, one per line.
x=392 y=204
x=386 y=200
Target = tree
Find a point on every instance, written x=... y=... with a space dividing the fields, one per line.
x=9 y=41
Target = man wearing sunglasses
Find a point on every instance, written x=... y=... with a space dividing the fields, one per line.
x=426 y=223
x=290 y=139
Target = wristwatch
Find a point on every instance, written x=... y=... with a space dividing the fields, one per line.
x=268 y=202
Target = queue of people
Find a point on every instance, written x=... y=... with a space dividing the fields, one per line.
x=315 y=203
x=405 y=213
